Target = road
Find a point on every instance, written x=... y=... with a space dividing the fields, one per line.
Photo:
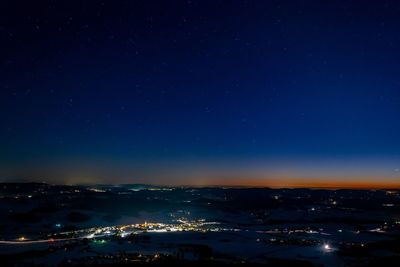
x=28 y=242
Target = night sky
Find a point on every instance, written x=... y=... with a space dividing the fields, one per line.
x=274 y=93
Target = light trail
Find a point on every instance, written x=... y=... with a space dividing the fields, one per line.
x=27 y=242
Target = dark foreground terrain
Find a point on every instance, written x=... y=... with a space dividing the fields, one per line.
x=104 y=225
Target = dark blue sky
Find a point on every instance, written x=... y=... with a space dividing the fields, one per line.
x=200 y=92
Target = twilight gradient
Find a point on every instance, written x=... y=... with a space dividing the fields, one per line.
x=266 y=93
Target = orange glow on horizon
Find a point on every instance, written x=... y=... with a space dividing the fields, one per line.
x=204 y=179
x=304 y=183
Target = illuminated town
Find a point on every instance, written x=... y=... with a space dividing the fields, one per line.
x=327 y=227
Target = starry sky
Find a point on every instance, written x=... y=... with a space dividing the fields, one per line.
x=266 y=93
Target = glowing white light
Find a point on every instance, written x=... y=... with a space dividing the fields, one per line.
x=327 y=248
x=90 y=236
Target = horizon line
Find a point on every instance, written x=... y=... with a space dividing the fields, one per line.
x=330 y=186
